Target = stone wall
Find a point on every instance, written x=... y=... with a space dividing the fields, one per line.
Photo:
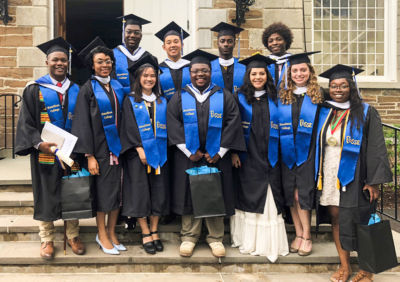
x=20 y=61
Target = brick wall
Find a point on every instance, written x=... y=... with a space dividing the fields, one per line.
x=20 y=61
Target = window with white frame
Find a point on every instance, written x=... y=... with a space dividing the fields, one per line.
x=359 y=33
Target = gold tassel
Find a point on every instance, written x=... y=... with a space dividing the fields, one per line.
x=338 y=183
x=148 y=169
x=158 y=170
x=319 y=185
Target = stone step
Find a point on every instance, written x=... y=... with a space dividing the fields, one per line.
x=13 y=255
x=25 y=228
x=17 y=202
x=16 y=188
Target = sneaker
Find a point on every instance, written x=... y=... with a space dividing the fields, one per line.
x=186 y=249
x=217 y=249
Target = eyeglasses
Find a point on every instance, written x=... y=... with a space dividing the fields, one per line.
x=108 y=62
x=205 y=71
x=341 y=87
x=135 y=32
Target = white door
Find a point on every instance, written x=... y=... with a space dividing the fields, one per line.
x=161 y=13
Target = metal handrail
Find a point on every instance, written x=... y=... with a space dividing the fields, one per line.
x=15 y=99
x=395 y=174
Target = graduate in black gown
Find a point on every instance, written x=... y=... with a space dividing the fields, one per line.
x=226 y=70
x=206 y=99
x=298 y=115
x=277 y=38
x=348 y=183
x=145 y=190
x=175 y=70
x=96 y=124
x=258 y=227
x=129 y=51
x=52 y=91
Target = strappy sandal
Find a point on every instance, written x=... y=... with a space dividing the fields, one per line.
x=302 y=252
x=294 y=250
x=363 y=276
x=340 y=275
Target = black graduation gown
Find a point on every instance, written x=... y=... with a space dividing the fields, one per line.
x=88 y=127
x=256 y=173
x=227 y=75
x=143 y=194
x=231 y=138
x=176 y=75
x=372 y=168
x=46 y=179
x=300 y=177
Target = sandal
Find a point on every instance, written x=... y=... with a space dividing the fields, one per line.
x=363 y=276
x=301 y=251
x=292 y=249
x=341 y=275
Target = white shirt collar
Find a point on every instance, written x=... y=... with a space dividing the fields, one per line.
x=201 y=97
x=300 y=90
x=56 y=81
x=259 y=93
x=149 y=98
x=226 y=63
x=136 y=54
x=343 y=106
x=178 y=64
x=63 y=89
x=103 y=80
x=280 y=60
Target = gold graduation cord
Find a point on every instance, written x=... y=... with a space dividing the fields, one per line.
x=341 y=148
x=321 y=142
x=158 y=170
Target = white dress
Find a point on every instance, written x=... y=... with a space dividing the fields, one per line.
x=330 y=194
x=260 y=234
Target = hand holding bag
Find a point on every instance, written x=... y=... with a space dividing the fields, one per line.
x=376 y=252
x=206 y=191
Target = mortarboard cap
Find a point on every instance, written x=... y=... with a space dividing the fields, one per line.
x=226 y=29
x=133 y=19
x=257 y=61
x=171 y=29
x=84 y=53
x=301 y=58
x=340 y=71
x=200 y=56
x=147 y=59
x=55 y=45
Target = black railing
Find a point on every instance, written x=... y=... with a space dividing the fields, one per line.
x=15 y=99
x=388 y=202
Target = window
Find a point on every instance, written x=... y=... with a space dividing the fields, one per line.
x=360 y=33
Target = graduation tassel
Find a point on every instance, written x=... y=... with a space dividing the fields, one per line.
x=355 y=81
x=181 y=42
x=70 y=60
x=239 y=46
x=148 y=169
x=123 y=30
x=158 y=170
x=338 y=183
x=285 y=66
x=319 y=185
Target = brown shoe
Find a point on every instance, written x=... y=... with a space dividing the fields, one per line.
x=47 y=250
x=363 y=276
x=77 y=246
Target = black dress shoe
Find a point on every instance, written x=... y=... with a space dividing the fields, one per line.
x=149 y=246
x=157 y=243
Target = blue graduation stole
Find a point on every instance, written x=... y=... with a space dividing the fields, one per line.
x=121 y=70
x=296 y=152
x=271 y=69
x=351 y=146
x=246 y=112
x=154 y=146
x=53 y=106
x=238 y=74
x=190 y=123
x=107 y=115
x=167 y=84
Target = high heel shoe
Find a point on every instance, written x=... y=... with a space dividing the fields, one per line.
x=303 y=252
x=112 y=251
x=295 y=250
x=120 y=247
x=157 y=243
x=149 y=246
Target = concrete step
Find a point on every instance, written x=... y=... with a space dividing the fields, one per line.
x=25 y=228
x=16 y=202
x=13 y=255
x=15 y=171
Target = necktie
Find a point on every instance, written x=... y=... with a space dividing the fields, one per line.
x=59 y=94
